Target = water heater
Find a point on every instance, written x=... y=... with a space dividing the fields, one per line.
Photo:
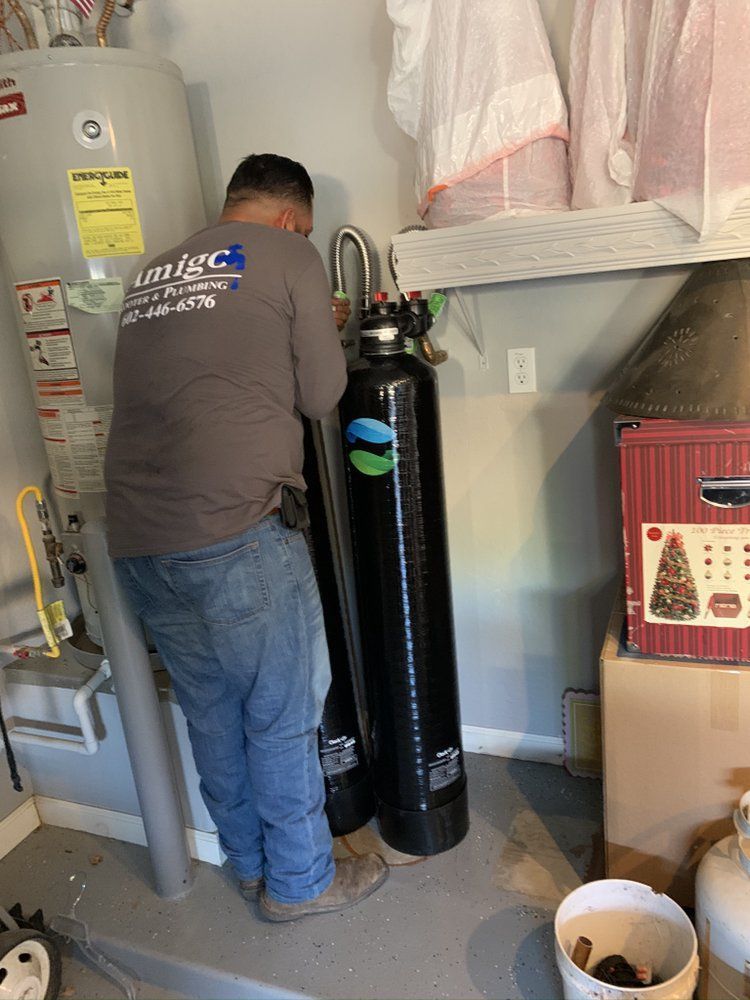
x=98 y=174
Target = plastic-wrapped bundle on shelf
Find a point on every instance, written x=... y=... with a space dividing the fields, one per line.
x=473 y=81
x=693 y=150
x=659 y=106
x=390 y=422
x=607 y=52
x=343 y=756
x=531 y=181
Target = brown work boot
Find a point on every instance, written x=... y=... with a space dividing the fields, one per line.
x=355 y=879
x=250 y=887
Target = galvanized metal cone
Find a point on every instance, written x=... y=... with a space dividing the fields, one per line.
x=695 y=362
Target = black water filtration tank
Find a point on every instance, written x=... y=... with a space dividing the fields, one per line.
x=343 y=755
x=391 y=434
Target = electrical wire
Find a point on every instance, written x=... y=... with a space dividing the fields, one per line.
x=90 y=593
x=15 y=777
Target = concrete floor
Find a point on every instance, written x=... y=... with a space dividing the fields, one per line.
x=475 y=922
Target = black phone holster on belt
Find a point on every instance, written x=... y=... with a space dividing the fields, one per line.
x=294 y=513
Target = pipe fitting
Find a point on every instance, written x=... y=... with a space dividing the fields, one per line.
x=84 y=742
x=432 y=355
x=64 y=23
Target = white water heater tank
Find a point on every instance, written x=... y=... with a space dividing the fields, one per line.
x=98 y=174
x=722 y=913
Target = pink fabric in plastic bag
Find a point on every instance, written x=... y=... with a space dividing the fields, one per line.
x=533 y=180
x=606 y=70
x=660 y=105
x=693 y=151
x=473 y=81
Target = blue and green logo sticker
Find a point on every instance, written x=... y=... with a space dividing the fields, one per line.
x=365 y=430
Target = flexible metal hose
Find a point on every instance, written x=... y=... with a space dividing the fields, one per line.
x=103 y=25
x=392 y=252
x=369 y=263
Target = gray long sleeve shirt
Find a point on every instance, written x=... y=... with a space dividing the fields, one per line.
x=223 y=342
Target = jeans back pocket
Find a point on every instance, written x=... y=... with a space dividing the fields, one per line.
x=224 y=590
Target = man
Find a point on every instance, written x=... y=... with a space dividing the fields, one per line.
x=223 y=342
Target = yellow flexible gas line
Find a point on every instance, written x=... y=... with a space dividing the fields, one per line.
x=54 y=649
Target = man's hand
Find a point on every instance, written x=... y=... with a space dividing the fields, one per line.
x=342 y=310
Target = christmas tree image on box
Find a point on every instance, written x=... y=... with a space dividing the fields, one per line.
x=675 y=596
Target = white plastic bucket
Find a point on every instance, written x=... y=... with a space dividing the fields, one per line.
x=629 y=919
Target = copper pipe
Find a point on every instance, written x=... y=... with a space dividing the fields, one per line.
x=25 y=22
x=581 y=952
x=431 y=355
x=101 y=28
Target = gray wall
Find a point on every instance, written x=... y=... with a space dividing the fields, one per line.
x=532 y=489
x=531 y=480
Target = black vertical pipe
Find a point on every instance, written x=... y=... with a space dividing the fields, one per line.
x=343 y=756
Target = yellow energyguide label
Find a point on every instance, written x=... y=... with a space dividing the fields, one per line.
x=106 y=211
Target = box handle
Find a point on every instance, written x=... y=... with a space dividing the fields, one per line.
x=726 y=491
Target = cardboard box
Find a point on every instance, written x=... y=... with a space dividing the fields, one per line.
x=676 y=739
x=686 y=530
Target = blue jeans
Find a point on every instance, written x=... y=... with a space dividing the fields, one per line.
x=239 y=627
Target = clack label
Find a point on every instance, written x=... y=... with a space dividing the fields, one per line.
x=445 y=768
x=339 y=755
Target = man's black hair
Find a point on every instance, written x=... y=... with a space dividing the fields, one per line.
x=272 y=176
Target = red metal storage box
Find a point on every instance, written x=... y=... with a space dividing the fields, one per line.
x=686 y=513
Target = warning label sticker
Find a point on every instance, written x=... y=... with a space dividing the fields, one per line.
x=80 y=434
x=51 y=350
x=12 y=105
x=106 y=212
x=58 y=454
x=445 y=768
x=75 y=441
x=42 y=305
x=59 y=389
x=338 y=756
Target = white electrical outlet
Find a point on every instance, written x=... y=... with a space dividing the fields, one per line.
x=522 y=369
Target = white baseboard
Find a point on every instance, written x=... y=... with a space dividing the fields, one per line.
x=519 y=746
x=14 y=829
x=204 y=846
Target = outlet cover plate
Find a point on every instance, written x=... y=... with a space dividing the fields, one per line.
x=521 y=369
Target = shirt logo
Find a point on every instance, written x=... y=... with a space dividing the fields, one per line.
x=187 y=268
x=234 y=255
